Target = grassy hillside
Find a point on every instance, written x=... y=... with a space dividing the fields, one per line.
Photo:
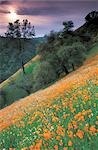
x=14 y=87
x=60 y=117
x=10 y=55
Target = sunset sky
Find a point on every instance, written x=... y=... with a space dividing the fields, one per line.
x=45 y=15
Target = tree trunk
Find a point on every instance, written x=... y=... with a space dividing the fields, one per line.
x=23 y=68
x=20 y=48
x=28 y=91
x=65 y=70
x=73 y=66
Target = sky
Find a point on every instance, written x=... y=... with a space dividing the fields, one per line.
x=45 y=15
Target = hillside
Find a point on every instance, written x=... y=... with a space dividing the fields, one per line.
x=88 y=31
x=14 y=87
x=17 y=85
x=10 y=55
x=62 y=116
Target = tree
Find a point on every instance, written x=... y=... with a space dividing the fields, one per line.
x=68 y=25
x=92 y=18
x=51 y=37
x=72 y=56
x=20 y=31
x=43 y=75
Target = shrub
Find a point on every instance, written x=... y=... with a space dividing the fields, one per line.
x=73 y=55
x=43 y=75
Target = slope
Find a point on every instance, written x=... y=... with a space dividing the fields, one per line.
x=11 y=56
x=63 y=116
x=20 y=85
x=12 y=88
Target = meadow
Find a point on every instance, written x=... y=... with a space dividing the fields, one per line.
x=63 y=116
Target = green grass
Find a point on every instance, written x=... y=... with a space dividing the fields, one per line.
x=12 y=87
x=93 y=51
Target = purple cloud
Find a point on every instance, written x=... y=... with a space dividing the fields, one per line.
x=5 y=2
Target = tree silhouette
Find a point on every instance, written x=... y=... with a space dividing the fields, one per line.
x=92 y=18
x=20 y=31
x=68 y=25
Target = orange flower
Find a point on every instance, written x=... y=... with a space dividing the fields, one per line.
x=55 y=119
x=70 y=134
x=70 y=143
x=37 y=146
x=47 y=135
x=58 y=138
x=61 y=143
x=65 y=148
x=80 y=134
x=56 y=147
x=70 y=126
x=92 y=129
x=60 y=130
x=32 y=147
x=86 y=128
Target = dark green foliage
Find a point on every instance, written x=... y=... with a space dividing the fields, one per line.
x=68 y=25
x=20 y=32
x=44 y=75
x=3 y=98
x=92 y=18
x=72 y=56
x=10 y=55
x=63 y=57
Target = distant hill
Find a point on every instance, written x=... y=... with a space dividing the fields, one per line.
x=10 y=55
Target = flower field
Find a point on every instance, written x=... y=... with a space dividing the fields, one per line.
x=62 y=117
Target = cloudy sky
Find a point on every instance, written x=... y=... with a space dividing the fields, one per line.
x=45 y=15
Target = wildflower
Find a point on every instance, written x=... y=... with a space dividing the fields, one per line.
x=65 y=148
x=31 y=147
x=80 y=134
x=47 y=135
x=38 y=145
x=70 y=143
x=70 y=134
x=58 y=138
x=60 y=130
x=70 y=126
x=61 y=143
x=55 y=119
x=56 y=147
x=86 y=128
x=23 y=148
x=92 y=129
